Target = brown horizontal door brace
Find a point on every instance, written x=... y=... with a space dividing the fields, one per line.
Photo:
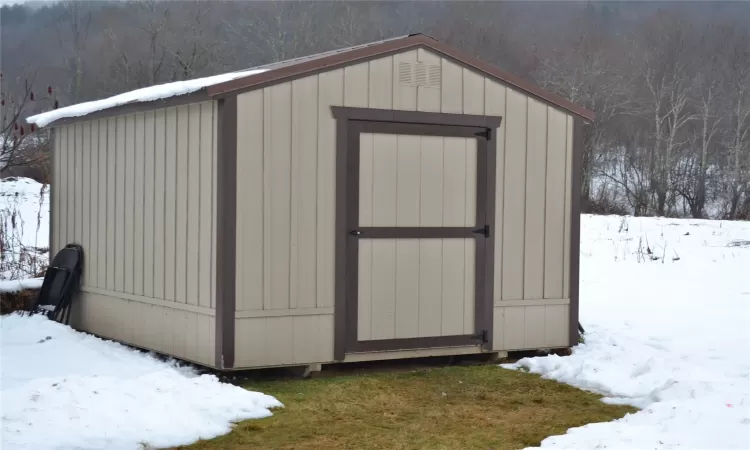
x=420 y=232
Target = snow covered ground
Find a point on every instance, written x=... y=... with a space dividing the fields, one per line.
x=61 y=389
x=670 y=336
x=24 y=227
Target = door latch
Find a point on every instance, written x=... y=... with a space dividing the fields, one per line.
x=355 y=232
x=485 y=230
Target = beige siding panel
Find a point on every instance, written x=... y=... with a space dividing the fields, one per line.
x=86 y=196
x=138 y=204
x=214 y=190
x=120 y=227
x=204 y=201
x=356 y=85
x=383 y=289
x=61 y=195
x=534 y=328
x=431 y=176
x=473 y=84
x=514 y=208
x=182 y=198
x=102 y=182
x=494 y=105
x=366 y=167
x=408 y=167
x=364 y=290
x=428 y=98
x=250 y=201
x=514 y=327
x=287 y=340
x=430 y=295
x=277 y=136
x=192 y=244
x=148 y=204
x=185 y=334
x=453 y=282
x=381 y=83
x=556 y=325
x=70 y=206
x=470 y=213
x=330 y=92
x=304 y=192
x=452 y=97
x=78 y=183
x=554 y=221
x=170 y=203
x=160 y=208
x=498 y=328
x=536 y=163
x=568 y=198
x=404 y=96
x=112 y=198
x=455 y=183
x=384 y=189
x=129 y=205
x=407 y=288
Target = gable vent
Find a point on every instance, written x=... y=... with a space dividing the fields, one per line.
x=419 y=74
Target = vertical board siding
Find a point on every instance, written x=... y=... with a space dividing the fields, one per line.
x=495 y=105
x=181 y=206
x=149 y=194
x=514 y=208
x=536 y=162
x=85 y=194
x=192 y=243
x=160 y=190
x=101 y=207
x=170 y=202
x=129 y=205
x=117 y=196
x=568 y=199
x=304 y=192
x=138 y=204
x=554 y=220
x=249 y=279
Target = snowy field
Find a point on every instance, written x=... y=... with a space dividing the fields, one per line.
x=670 y=336
x=24 y=227
x=61 y=389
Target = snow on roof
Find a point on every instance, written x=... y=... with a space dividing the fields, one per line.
x=147 y=94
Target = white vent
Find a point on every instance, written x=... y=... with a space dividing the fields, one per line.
x=419 y=74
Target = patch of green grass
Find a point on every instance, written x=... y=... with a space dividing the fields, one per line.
x=477 y=407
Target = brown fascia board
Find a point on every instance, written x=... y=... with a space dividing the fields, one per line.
x=283 y=73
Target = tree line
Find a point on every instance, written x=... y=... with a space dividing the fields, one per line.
x=669 y=82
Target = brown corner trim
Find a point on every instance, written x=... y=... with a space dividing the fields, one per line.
x=575 y=229
x=226 y=223
x=135 y=107
x=415 y=117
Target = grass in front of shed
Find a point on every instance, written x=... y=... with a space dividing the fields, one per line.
x=475 y=407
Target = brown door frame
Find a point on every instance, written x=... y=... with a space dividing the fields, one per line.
x=350 y=123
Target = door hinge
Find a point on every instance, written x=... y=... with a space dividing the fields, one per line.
x=487 y=134
x=481 y=336
x=485 y=230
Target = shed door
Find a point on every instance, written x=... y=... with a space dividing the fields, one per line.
x=418 y=236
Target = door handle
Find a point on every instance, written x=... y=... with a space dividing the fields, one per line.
x=485 y=230
x=355 y=232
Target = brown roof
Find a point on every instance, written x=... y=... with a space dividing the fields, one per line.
x=319 y=62
x=328 y=60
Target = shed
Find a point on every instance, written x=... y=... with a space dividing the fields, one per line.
x=389 y=200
